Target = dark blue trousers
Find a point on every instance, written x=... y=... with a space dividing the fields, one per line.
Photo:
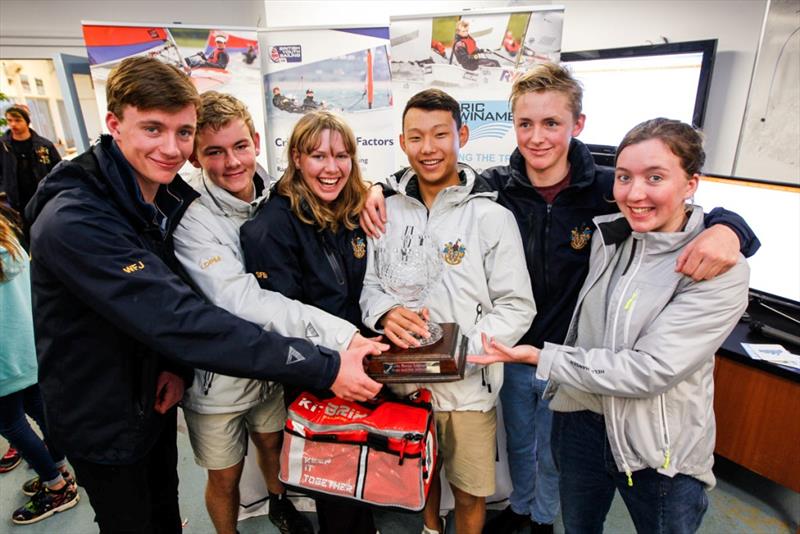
x=589 y=477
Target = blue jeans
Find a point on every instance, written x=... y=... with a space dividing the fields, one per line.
x=528 y=421
x=44 y=457
x=589 y=477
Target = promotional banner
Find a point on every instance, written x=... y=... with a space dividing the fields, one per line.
x=345 y=70
x=474 y=56
x=218 y=59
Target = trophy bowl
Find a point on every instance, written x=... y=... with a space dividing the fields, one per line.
x=409 y=269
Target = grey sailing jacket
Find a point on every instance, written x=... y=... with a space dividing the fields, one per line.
x=485 y=286
x=207 y=245
x=650 y=360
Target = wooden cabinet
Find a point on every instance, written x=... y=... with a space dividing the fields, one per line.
x=758 y=420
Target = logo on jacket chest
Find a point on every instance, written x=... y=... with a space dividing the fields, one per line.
x=359 y=247
x=453 y=253
x=43 y=154
x=133 y=267
x=205 y=264
x=580 y=237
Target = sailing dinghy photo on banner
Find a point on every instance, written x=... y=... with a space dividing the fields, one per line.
x=474 y=56
x=344 y=70
x=214 y=58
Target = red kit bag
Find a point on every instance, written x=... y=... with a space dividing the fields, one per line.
x=381 y=454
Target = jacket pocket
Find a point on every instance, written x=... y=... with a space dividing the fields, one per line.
x=634 y=431
x=334 y=263
x=630 y=309
x=143 y=377
x=664 y=427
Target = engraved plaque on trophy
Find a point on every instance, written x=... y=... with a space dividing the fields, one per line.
x=442 y=361
x=408 y=270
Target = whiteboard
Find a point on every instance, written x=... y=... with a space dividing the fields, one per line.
x=769 y=143
x=773 y=212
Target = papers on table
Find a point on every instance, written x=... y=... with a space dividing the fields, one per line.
x=773 y=354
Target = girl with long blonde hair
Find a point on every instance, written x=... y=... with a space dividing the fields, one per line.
x=305 y=242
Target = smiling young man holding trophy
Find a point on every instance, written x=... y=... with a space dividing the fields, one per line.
x=484 y=288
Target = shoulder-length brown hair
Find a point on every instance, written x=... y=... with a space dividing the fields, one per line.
x=305 y=205
x=9 y=234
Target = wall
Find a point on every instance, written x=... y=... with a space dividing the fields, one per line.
x=38 y=28
x=589 y=24
x=41 y=28
x=736 y=23
x=771 y=130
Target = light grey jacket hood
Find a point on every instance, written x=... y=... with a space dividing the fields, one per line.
x=653 y=368
x=485 y=286
x=207 y=245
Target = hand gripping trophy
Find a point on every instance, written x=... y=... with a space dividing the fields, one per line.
x=409 y=269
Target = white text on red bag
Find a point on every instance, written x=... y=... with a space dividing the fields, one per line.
x=380 y=454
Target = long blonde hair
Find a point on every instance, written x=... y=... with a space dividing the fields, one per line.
x=9 y=233
x=345 y=208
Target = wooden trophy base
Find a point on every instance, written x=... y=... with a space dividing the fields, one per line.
x=442 y=361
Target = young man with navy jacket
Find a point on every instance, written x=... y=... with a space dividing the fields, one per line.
x=118 y=326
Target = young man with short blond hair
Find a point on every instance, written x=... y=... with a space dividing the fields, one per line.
x=555 y=189
x=222 y=411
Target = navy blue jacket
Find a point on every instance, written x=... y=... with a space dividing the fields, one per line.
x=111 y=313
x=320 y=268
x=556 y=236
x=45 y=157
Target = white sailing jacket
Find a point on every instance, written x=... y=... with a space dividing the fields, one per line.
x=485 y=286
x=207 y=245
x=646 y=361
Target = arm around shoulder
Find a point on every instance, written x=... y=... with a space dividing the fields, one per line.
x=748 y=241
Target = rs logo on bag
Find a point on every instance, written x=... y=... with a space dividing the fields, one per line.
x=382 y=454
x=332 y=409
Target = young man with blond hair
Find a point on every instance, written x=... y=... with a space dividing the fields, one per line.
x=222 y=411
x=118 y=327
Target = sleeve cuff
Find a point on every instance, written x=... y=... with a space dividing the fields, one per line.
x=373 y=320
x=546 y=357
x=345 y=338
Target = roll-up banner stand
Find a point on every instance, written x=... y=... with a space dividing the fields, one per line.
x=474 y=56
x=223 y=59
x=341 y=69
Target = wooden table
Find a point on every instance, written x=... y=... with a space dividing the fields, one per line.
x=757 y=406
